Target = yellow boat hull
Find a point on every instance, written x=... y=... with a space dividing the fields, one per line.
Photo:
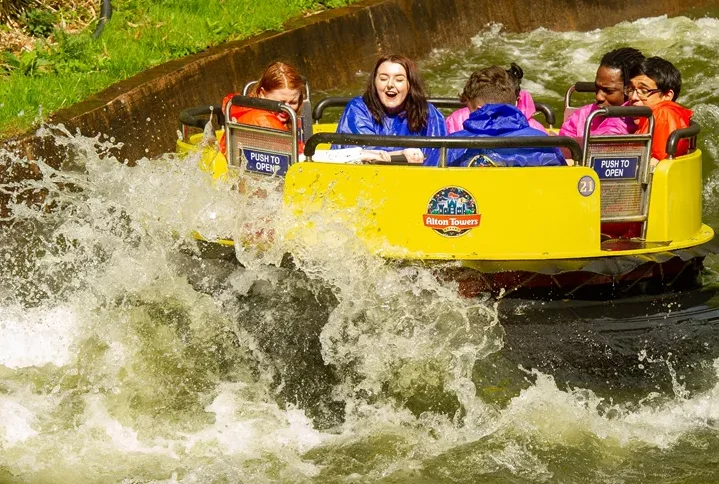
x=515 y=229
x=519 y=213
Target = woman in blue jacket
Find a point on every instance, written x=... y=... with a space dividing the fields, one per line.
x=492 y=101
x=395 y=103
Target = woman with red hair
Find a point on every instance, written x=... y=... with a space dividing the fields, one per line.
x=280 y=82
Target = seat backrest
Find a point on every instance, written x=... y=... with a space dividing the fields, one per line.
x=259 y=150
x=622 y=164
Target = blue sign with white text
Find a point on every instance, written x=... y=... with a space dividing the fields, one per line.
x=616 y=168
x=266 y=163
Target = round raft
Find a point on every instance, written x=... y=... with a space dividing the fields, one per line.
x=525 y=232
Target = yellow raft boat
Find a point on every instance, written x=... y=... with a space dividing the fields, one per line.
x=530 y=231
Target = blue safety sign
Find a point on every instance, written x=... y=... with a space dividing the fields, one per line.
x=616 y=168
x=266 y=163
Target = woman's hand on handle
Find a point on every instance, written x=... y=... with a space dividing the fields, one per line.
x=413 y=155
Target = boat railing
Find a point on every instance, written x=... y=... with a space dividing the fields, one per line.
x=439 y=102
x=622 y=164
x=198 y=117
x=583 y=87
x=689 y=133
x=443 y=143
x=261 y=150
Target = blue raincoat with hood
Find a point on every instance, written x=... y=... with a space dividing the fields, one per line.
x=502 y=120
x=357 y=119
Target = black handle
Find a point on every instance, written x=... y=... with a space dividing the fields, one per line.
x=446 y=103
x=585 y=87
x=679 y=134
x=626 y=111
x=547 y=111
x=451 y=142
x=328 y=102
x=258 y=103
x=191 y=116
x=398 y=159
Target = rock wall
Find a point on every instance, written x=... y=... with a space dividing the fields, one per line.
x=329 y=48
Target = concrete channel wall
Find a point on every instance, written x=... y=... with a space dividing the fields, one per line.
x=329 y=48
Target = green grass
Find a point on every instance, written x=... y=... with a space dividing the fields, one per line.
x=141 y=34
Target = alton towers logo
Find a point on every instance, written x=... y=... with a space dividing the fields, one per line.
x=451 y=212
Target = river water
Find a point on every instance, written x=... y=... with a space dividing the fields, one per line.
x=125 y=357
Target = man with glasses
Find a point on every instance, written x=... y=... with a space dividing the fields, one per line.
x=656 y=83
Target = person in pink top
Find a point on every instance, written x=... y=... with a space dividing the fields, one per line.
x=525 y=103
x=611 y=81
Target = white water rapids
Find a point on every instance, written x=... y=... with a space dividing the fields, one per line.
x=125 y=357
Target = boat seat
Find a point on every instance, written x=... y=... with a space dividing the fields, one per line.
x=622 y=164
x=259 y=150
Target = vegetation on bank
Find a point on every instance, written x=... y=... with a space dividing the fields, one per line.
x=51 y=57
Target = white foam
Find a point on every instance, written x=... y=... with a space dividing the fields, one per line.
x=16 y=423
x=36 y=336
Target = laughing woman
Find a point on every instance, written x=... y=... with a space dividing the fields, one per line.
x=395 y=104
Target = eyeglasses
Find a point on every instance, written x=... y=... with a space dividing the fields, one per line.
x=642 y=94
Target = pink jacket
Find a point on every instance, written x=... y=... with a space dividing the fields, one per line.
x=525 y=103
x=574 y=126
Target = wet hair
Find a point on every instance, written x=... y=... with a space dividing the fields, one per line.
x=415 y=105
x=624 y=60
x=279 y=75
x=491 y=85
x=662 y=72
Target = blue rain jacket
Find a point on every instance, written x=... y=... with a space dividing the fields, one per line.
x=502 y=120
x=357 y=119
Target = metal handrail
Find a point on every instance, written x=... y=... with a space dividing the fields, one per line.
x=615 y=112
x=673 y=142
x=191 y=118
x=548 y=113
x=267 y=105
x=581 y=86
x=443 y=143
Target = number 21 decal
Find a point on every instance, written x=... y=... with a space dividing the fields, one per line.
x=586 y=185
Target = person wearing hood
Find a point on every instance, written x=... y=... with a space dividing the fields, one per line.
x=525 y=103
x=280 y=82
x=394 y=104
x=492 y=99
x=610 y=84
x=656 y=83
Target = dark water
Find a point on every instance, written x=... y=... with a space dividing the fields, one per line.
x=124 y=357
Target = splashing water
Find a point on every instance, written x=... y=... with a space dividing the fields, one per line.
x=126 y=357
